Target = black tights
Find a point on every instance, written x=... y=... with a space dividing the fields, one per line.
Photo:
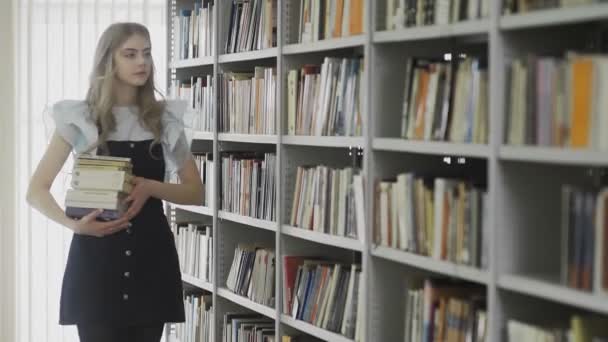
x=100 y=333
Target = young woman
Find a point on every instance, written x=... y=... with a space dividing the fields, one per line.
x=122 y=280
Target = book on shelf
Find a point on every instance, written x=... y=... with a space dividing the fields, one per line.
x=411 y=13
x=247 y=101
x=248 y=182
x=193 y=31
x=252 y=274
x=442 y=218
x=247 y=327
x=99 y=182
x=194 y=244
x=327 y=200
x=584 y=228
x=558 y=101
x=205 y=164
x=446 y=100
x=323 y=293
x=581 y=328
x=199 y=319
x=198 y=91
x=523 y=6
x=326 y=99
x=252 y=25
x=442 y=310
x=321 y=19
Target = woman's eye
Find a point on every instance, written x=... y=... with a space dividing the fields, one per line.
x=130 y=55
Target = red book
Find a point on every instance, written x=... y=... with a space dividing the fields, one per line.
x=290 y=270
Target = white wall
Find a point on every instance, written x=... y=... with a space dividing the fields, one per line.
x=7 y=170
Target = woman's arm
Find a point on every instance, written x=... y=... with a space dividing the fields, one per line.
x=39 y=195
x=189 y=191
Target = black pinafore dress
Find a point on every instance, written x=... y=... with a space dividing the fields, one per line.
x=131 y=277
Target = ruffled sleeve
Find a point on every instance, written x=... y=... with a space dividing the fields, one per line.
x=73 y=123
x=176 y=147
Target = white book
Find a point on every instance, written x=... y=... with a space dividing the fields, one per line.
x=349 y=299
x=204 y=257
x=411 y=110
x=409 y=212
x=345 y=177
x=393 y=212
x=439 y=193
x=431 y=100
x=361 y=319
x=390 y=13
x=332 y=297
x=316 y=19
x=360 y=206
x=472 y=9
x=442 y=12
x=197 y=255
x=401 y=224
x=384 y=213
x=101 y=196
x=346 y=19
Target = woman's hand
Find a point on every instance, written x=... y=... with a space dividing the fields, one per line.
x=138 y=196
x=88 y=225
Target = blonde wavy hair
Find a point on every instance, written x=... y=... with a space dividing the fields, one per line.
x=100 y=97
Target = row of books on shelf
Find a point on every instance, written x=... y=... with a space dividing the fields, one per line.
x=198 y=91
x=442 y=218
x=248 y=183
x=326 y=99
x=194 y=244
x=323 y=293
x=410 y=13
x=206 y=166
x=581 y=328
x=326 y=19
x=328 y=200
x=446 y=100
x=444 y=310
x=199 y=319
x=247 y=101
x=584 y=263
x=99 y=182
x=194 y=32
x=523 y=6
x=248 y=327
x=252 y=274
x=558 y=101
x=252 y=26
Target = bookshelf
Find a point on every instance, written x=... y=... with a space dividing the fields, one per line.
x=522 y=182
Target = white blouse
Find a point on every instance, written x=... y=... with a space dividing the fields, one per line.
x=75 y=123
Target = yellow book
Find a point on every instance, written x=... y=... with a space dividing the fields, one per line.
x=582 y=83
x=356 y=17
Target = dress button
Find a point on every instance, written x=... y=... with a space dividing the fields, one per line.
x=129 y=231
x=125 y=296
x=132 y=145
x=127 y=274
x=128 y=252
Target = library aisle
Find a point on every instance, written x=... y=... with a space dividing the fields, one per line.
x=394 y=170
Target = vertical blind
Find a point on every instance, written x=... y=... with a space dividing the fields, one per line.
x=56 y=42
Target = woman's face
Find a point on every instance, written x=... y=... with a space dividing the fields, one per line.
x=133 y=61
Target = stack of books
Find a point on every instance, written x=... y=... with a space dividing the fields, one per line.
x=99 y=182
x=252 y=274
x=323 y=293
